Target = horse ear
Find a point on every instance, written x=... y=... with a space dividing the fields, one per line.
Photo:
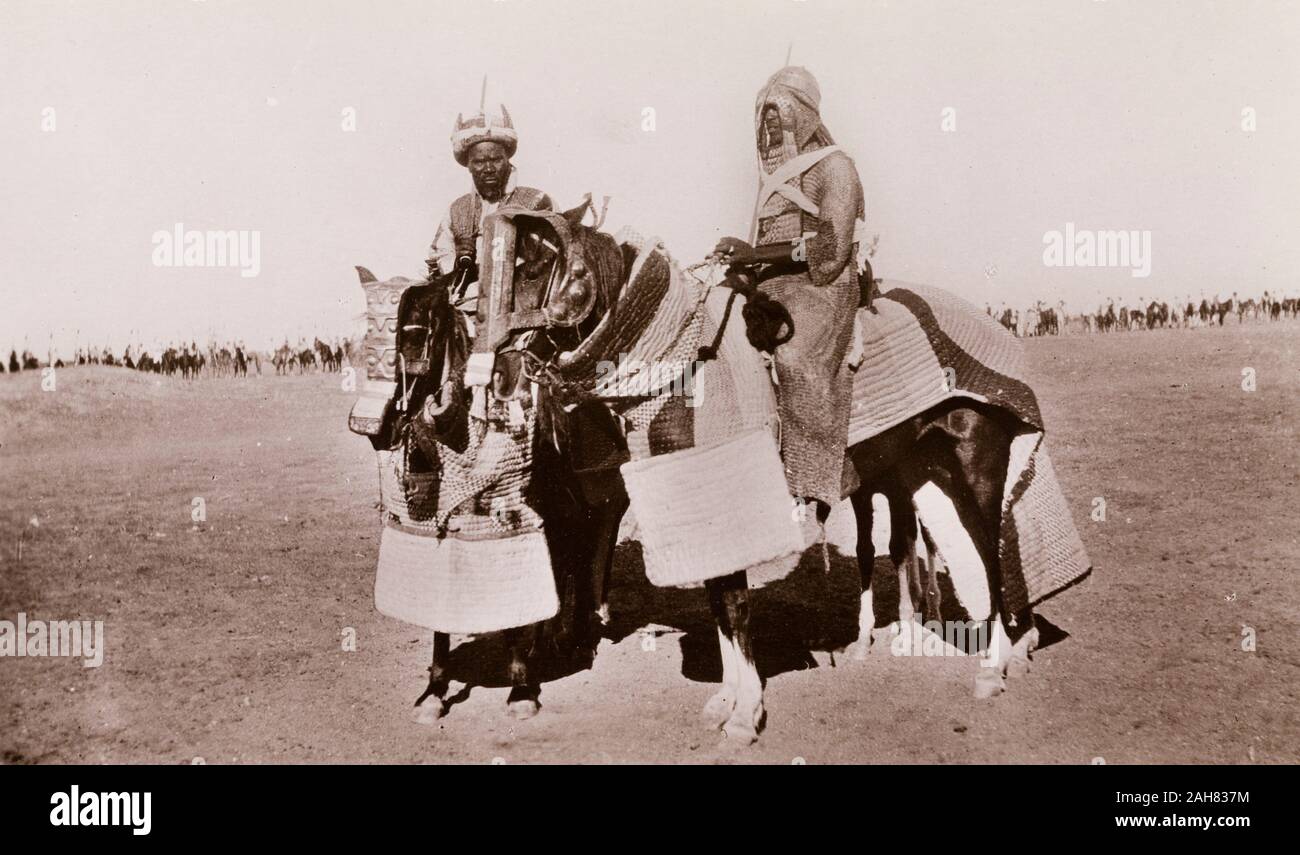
x=574 y=216
x=629 y=258
x=366 y=275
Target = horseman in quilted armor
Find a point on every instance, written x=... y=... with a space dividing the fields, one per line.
x=484 y=145
x=807 y=239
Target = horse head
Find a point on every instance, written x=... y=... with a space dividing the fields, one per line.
x=567 y=280
x=432 y=347
x=593 y=274
x=416 y=343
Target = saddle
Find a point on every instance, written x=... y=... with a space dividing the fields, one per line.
x=768 y=324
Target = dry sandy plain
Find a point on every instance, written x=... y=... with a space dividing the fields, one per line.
x=223 y=638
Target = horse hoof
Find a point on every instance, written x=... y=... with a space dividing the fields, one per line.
x=718 y=709
x=878 y=640
x=988 y=683
x=1019 y=663
x=729 y=750
x=737 y=738
x=524 y=709
x=429 y=711
x=859 y=651
x=742 y=732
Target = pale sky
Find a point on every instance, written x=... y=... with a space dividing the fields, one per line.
x=1109 y=114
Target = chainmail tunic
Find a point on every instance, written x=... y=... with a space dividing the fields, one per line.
x=814 y=392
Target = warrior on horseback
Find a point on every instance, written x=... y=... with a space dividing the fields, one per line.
x=566 y=451
x=806 y=236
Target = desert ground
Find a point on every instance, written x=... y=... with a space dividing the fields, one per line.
x=224 y=636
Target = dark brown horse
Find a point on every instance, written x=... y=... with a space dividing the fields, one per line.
x=963 y=448
x=580 y=512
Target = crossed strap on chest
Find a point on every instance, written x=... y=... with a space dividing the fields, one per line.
x=774 y=183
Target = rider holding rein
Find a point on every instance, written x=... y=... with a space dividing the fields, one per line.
x=808 y=238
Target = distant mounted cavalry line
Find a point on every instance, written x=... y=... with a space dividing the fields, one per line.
x=1045 y=317
x=189 y=360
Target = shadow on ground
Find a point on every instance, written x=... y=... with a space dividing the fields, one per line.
x=810 y=610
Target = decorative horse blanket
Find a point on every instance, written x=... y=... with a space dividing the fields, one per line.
x=917 y=347
x=922 y=346
x=460 y=548
x=701 y=463
x=461 y=551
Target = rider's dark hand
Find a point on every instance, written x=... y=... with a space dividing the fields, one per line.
x=734 y=251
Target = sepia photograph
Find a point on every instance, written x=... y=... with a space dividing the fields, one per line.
x=697 y=382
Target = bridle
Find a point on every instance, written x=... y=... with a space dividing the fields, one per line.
x=548 y=372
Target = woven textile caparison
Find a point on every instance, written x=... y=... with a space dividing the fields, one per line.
x=802 y=211
x=923 y=346
x=696 y=482
x=461 y=550
x=700 y=464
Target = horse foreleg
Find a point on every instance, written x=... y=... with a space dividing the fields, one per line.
x=577 y=642
x=602 y=565
x=607 y=499
x=522 y=702
x=719 y=707
x=1003 y=658
x=902 y=550
x=729 y=601
x=989 y=681
x=1018 y=664
x=432 y=705
x=983 y=449
x=863 y=514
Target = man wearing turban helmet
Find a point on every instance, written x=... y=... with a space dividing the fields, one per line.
x=484 y=145
x=807 y=239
